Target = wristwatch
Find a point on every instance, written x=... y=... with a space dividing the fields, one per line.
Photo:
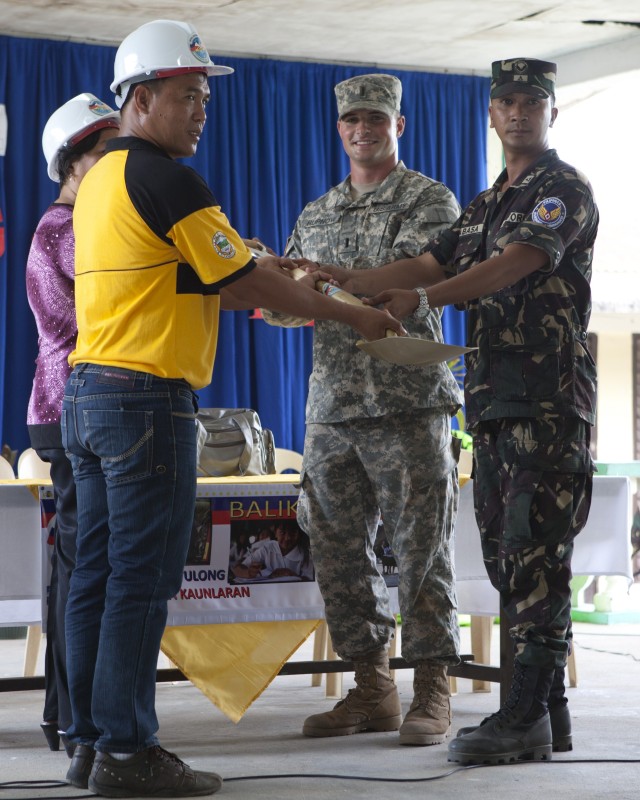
x=423 y=303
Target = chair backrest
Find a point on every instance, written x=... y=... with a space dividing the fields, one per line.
x=288 y=460
x=465 y=463
x=30 y=465
x=6 y=470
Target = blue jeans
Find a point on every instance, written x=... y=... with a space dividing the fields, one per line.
x=131 y=438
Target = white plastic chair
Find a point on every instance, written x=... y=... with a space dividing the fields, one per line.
x=288 y=459
x=30 y=465
x=6 y=470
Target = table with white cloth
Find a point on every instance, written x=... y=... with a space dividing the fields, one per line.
x=232 y=637
x=603 y=547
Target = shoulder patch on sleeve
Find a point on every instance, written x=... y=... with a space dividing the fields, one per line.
x=550 y=212
x=222 y=245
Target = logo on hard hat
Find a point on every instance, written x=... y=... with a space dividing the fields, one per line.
x=99 y=108
x=222 y=245
x=198 y=49
x=550 y=212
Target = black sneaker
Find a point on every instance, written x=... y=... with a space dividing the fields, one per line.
x=81 y=765
x=152 y=772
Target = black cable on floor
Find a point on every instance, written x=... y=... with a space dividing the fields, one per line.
x=44 y=784
x=324 y=776
x=435 y=777
x=608 y=652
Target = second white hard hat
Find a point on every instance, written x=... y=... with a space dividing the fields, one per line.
x=160 y=49
x=70 y=123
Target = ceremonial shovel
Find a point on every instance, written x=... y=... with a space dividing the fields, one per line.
x=403 y=350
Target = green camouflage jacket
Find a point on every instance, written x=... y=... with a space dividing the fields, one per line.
x=532 y=358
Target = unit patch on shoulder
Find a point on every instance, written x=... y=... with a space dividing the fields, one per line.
x=550 y=212
x=222 y=245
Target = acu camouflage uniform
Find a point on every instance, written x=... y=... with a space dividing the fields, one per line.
x=378 y=436
x=530 y=394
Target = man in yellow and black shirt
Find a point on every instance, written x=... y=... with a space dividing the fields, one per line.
x=149 y=274
x=156 y=259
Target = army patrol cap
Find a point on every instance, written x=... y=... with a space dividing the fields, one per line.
x=526 y=75
x=375 y=92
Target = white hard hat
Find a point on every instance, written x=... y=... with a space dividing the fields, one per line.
x=76 y=119
x=160 y=49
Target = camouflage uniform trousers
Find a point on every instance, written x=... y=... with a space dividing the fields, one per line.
x=533 y=480
x=400 y=466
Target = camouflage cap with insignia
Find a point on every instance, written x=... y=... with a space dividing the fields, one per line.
x=377 y=92
x=526 y=75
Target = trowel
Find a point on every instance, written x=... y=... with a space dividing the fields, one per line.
x=402 y=350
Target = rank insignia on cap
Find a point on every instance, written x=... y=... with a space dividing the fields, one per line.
x=528 y=75
x=375 y=92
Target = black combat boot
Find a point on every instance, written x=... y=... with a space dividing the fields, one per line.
x=559 y=715
x=520 y=730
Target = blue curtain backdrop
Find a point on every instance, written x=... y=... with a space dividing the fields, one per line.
x=269 y=147
x=3 y=265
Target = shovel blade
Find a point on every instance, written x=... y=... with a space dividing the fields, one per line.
x=411 y=351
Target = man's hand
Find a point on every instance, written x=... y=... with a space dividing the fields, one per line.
x=373 y=324
x=285 y=266
x=279 y=264
x=340 y=275
x=401 y=303
x=256 y=244
x=315 y=273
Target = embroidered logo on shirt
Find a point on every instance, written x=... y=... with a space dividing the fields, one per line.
x=550 y=212
x=222 y=245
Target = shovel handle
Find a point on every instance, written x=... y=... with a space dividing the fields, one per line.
x=324 y=287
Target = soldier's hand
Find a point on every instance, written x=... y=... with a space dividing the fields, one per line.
x=401 y=303
x=374 y=324
x=338 y=275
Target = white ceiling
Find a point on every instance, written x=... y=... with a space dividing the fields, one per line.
x=596 y=45
x=587 y=39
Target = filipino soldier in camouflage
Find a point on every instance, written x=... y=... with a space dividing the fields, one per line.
x=519 y=261
x=378 y=438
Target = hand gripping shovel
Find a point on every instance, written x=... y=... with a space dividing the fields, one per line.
x=402 y=350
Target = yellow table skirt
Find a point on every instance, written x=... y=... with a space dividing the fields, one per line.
x=233 y=664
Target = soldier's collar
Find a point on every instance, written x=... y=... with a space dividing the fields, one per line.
x=532 y=171
x=385 y=193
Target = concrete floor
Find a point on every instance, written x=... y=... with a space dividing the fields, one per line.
x=266 y=756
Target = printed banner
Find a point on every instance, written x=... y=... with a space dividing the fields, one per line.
x=248 y=560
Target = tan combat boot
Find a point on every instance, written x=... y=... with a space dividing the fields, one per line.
x=428 y=720
x=374 y=704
